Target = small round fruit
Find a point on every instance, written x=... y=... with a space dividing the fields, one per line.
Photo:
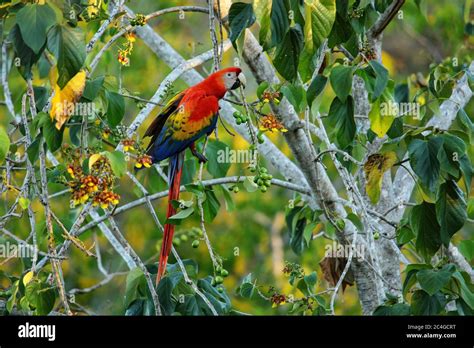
x=220 y=289
x=218 y=269
x=184 y=238
x=195 y=244
x=176 y=242
x=376 y=235
x=263 y=189
x=213 y=282
x=235 y=189
x=219 y=280
x=224 y=273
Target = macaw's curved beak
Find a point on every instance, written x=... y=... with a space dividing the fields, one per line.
x=241 y=81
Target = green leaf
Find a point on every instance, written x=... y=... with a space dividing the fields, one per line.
x=342 y=121
x=466 y=247
x=279 y=22
x=117 y=162
x=247 y=288
x=308 y=232
x=52 y=135
x=410 y=278
x=424 y=223
x=182 y=214
x=33 y=149
x=320 y=17
x=68 y=47
x=341 y=81
x=295 y=95
x=404 y=235
x=91 y=91
x=396 y=309
x=217 y=164
x=34 y=21
x=288 y=52
x=134 y=286
x=466 y=291
x=229 y=202
x=451 y=210
x=40 y=296
x=454 y=148
x=241 y=16
x=4 y=144
x=434 y=280
x=210 y=205
x=424 y=304
x=115 y=108
x=26 y=55
x=381 y=78
x=316 y=88
x=424 y=160
x=263 y=9
x=164 y=292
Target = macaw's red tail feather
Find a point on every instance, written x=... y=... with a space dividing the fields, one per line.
x=174 y=176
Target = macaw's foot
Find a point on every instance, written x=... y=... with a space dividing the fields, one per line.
x=201 y=158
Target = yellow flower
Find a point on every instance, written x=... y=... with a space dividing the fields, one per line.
x=138 y=165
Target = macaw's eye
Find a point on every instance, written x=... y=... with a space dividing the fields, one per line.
x=229 y=74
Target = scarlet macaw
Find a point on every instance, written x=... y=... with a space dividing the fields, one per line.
x=187 y=117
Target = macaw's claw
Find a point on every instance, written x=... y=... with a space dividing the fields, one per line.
x=201 y=158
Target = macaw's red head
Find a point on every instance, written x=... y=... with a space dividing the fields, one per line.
x=224 y=80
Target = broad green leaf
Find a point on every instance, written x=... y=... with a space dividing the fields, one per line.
x=396 y=309
x=4 y=144
x=115 y=108
x=451 y=210
x=164 y=292
x=183 y=214
x=424 y=160
x=424 y=224
x=52 y=135
x=322 y=14
x=374 y=168
x=117 y=162
x=315 y=88
x=382 y=114
x=381 y=78
x=341 y=116
x=262 y=10
x=454 y=148
x=241 y=16
x=424 y=304
x=210 y=205
x=434 y=280
x=319 y=19
x=288 y=52
x=68 y=47
x=466 y=247
x=295 y=95
x=219 y=158
x=466 y=291
x=93 y=87
x=279 y=22
x=34 y=21
x=40 y=296
x=134 y=286
x=341 y=81
x=24 y=52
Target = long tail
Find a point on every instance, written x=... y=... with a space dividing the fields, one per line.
x=174 y=176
